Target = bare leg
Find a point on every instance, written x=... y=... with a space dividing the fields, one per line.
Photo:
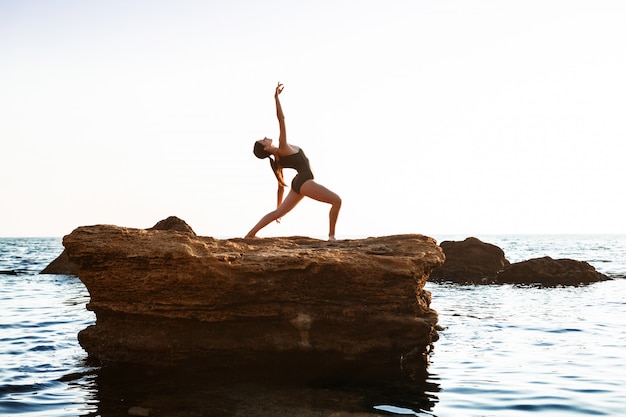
x=320 y=193
x=288 y=203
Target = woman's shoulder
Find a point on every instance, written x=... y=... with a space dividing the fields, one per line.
x=290 y=150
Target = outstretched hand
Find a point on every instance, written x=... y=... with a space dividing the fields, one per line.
x=279 y=89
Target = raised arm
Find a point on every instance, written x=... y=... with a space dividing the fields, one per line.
x=282 y=139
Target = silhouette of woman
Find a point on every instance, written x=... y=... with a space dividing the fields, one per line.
x=303 y=184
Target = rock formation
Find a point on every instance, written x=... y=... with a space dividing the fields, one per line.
x=63 y=266
x=550 y=272
x=475 y=262
x=166 y=296
x=470 y=261
x=173 y=223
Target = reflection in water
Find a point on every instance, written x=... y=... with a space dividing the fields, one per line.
x=192 y=391
x=44 y=372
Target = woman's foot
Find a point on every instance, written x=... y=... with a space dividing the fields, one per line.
x=331 y=238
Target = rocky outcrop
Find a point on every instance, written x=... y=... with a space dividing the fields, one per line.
x=173 y=223
x=162 y=296
x=63 y=266
x=470 y=262
x=475 y=262
x=550 y=272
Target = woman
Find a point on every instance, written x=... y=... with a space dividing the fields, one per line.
x=303 y=185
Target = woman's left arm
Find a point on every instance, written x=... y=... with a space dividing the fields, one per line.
x=282 y=138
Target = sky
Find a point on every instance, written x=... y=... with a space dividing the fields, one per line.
x=432 y=117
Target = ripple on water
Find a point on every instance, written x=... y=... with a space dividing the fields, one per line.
x=549 y=351
x=506 y=351
x=38 y=335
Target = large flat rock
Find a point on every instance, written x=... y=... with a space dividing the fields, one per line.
x=162 y=296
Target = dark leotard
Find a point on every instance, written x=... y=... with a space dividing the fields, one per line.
x=300 y=163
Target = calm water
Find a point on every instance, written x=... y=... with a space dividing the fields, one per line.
x=506 y=350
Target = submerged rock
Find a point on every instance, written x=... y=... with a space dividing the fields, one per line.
x=470 y=261
x=550 y=272
x=166 y=296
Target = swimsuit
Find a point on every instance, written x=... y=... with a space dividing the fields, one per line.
x=300 y=163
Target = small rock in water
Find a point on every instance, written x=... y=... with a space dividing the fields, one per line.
x=139 y=411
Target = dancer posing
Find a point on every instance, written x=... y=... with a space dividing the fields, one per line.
x=303 y=184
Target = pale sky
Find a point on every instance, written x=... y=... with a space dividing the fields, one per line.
x=433 y=117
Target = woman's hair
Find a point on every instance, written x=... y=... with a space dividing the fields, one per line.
x=259 y=150
x=261 y=153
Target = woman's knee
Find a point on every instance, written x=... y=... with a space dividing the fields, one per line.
x=335 y=201
x=271 y=216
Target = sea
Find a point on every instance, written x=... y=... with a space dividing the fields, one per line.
x=504 y=350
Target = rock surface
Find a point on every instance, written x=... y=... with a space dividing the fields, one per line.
x=63 y=266
x=550 y=272
x=173 y=223
x=470 y=261
x=475 y=262
x=162 y=296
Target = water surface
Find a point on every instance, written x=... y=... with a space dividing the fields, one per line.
x=506 y=351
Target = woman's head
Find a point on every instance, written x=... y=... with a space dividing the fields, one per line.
x=261 y=148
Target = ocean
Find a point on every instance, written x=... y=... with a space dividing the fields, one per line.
x=505 y=350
